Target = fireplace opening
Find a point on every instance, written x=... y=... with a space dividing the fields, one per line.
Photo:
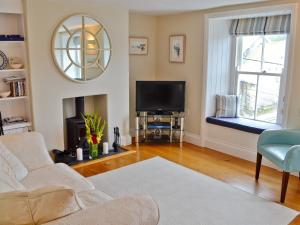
x=74 y=108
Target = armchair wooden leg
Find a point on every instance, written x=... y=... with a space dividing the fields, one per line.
x=258 y=165
x=285 y=181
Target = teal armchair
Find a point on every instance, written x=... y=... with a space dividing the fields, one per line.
x=281 y=147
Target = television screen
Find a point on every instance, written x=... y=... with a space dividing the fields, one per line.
x=160 y=96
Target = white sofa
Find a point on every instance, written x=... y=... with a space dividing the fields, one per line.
x=31 y=150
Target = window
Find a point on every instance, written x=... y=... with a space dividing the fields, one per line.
x=260 y=63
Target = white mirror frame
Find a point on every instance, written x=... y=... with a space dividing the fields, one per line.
x=53 y=47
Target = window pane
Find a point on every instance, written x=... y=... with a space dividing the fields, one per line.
x=267 y=98
x=247 y=91
x=250 y=57
x=274 y=53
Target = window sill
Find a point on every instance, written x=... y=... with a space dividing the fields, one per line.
x=250 y=126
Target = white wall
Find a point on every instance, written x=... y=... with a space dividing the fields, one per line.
x=141 y=67
x=192 y=25
x=11 y=6
x=49 y=87
x=197 y=131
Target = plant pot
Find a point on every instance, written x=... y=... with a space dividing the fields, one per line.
x=94 y=151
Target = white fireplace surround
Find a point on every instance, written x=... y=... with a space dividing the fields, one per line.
x=49 y=87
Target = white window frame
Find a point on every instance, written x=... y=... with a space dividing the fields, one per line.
x=265 y=10
x=283 y=76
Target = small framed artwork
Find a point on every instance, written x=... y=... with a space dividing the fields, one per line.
x=177 y=48
x=138 y=45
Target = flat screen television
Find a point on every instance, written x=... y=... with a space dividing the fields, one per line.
x=165 y=96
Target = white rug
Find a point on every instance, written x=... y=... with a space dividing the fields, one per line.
x=186 y=197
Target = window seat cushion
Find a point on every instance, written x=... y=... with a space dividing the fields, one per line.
x=247 y=125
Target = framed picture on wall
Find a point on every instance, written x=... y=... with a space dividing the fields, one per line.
x=138 y=45
x=177 y=48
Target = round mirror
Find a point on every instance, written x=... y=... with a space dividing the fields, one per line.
x=81 y=48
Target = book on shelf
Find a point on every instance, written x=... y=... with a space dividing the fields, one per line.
x=17 y=88
x=17 y=85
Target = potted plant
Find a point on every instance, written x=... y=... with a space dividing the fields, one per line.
x=94 y=126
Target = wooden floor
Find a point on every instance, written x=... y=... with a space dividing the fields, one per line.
x=234 y=171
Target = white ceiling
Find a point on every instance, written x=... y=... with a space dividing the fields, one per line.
x=160 y=7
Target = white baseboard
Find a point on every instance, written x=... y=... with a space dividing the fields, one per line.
x=231 y=149
x=220 y=146
x=192 y=138
x=228 y=148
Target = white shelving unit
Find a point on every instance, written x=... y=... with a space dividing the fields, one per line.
x=12 y=22
x=11 y=70
x=13 y=98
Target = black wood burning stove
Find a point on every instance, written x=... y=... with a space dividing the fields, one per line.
x=75 y=125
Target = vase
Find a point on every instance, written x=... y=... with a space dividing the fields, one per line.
x=94 y=151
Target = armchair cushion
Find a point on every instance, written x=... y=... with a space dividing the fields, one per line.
x=275 y=153
x=285 y=137
x=292 y=159
x=282 y=147
x=30 y=148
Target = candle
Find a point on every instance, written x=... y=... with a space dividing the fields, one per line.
x=105 y=148
x=79 y=154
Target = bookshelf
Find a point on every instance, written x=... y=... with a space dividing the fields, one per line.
x=18 y=104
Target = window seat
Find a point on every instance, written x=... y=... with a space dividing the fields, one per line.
x=247 y=125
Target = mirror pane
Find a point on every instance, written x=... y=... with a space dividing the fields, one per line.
x=61 y=39
x=75 y=73
x=92 y=57
x=92 y=25
x=92 y=72
x=75 y=56
x=103 y=39
x=74 y=23
x=104 y=57
x=82 y=48
x=62 y=59
x=75 y=41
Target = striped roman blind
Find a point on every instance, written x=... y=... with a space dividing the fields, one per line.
x=261 y=25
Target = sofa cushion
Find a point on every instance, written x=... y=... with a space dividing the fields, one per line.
x=28 y=147
x=18 y=170
x=37 y=207
x=137 y=210
x=9 y=183
x=93 y=197
x=56 y=174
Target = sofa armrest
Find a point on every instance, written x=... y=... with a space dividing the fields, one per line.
x=292 y=159
x=285 y=136
x=30 y=148
x=138 y=210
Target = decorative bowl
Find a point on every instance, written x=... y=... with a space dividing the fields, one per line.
x=4 y=94
x=16 y=66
